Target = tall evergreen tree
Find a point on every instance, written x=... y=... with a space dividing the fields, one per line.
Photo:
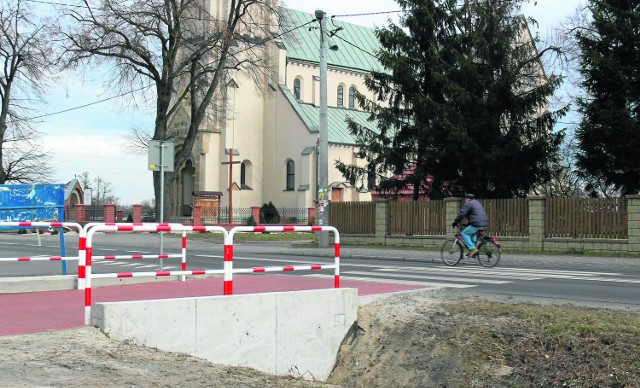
x=462 y=105
x=609 y=133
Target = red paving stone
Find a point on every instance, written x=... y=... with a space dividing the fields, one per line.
x=55 y=310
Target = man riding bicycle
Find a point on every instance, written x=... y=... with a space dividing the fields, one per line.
x=477 y=218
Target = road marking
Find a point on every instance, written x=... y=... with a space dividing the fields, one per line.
x=397 y=281
x=427 y=277
x=453 y=271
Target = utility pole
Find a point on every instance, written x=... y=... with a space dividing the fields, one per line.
x=323 y=144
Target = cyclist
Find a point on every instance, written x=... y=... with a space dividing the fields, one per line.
x=477 y=218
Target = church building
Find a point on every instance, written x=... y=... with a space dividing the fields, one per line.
x=273 y=132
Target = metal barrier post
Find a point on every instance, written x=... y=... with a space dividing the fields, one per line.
x=228 y=264
x=184 y=254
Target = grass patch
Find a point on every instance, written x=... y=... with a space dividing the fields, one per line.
x=559 y=345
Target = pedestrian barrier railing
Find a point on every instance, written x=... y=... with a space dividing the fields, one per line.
x=85 y=252
x=88 y=253
x=228 y=253
x=40 y=224
x=82 y=246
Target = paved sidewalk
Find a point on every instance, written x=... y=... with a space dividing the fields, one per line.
x=56 y=310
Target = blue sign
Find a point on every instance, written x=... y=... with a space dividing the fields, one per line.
x=32 y=202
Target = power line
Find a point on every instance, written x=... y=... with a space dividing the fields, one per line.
x=82 y=106
x=147 y=86
x=356 y=46
x=364 y=14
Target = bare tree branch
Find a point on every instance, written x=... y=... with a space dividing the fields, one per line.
x=26 y=60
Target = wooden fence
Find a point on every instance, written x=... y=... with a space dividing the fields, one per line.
x=564 y=217
x=507 y=217
x=417 y=218
x=353 y=217
x=586 y=218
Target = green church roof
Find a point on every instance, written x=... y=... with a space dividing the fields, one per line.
x=338 y=131
x=356 y=44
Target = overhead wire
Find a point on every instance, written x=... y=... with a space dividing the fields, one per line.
x=150 y=85
x=238 y=52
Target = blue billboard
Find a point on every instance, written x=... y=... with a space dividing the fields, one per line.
x=32 y=202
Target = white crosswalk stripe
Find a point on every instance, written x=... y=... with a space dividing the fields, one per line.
x=460 y=277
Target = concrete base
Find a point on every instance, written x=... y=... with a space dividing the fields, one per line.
x=22 y=284
x=296 y=333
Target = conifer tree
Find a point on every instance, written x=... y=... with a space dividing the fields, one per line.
x=462 y=105
x=609 y=132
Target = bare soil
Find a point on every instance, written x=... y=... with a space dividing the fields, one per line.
x=424 y=339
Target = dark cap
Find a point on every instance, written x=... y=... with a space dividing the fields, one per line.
x=470 y=196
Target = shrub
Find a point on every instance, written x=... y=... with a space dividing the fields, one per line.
x=269 y=214
x=251 y=221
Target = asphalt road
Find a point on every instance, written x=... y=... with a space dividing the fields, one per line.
x=588 y=281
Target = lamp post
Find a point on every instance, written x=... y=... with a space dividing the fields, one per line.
x=323 y=143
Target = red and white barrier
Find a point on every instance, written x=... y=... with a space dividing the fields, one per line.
x=29 y=224
x=82 y=245
x=228 y=253
x=44 y=258
x=91 y=229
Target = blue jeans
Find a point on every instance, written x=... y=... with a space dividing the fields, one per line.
x=469 y=235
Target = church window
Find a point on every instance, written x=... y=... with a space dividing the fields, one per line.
x=291 y=174
x=340 y=101
x=296 y=88
x=352 y=97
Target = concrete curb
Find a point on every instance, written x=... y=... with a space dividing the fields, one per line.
x=17 y=285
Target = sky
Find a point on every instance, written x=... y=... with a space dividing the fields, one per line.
x=92 y=138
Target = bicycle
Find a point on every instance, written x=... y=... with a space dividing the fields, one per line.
x=488 y=255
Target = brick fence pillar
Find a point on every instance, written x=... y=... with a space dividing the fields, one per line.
x=452 y=208
x=633 y=222
x=537 y=213
x=311 y=215
x=137 y=214
x=255 y=212
x=110 y=212
x=197 y=215
x=381 y=217
x=119 y=214
x=81 y=213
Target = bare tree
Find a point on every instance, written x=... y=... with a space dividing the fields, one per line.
x=179 y=48
x=101 y=189
x=26 y=57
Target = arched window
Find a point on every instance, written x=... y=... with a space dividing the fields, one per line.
x=296 y=88
x=291 y=174
x=246 y=175
x=340 y=101
x=352 y=97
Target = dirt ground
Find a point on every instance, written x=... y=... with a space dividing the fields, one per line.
x=423 y=339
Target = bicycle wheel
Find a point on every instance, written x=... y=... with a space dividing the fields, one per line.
x=451 y=252
x=488 y=253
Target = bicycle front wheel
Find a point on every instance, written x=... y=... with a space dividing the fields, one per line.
x=489 y=254
x=451 y=252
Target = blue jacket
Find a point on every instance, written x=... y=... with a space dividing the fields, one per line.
x=475 y=214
